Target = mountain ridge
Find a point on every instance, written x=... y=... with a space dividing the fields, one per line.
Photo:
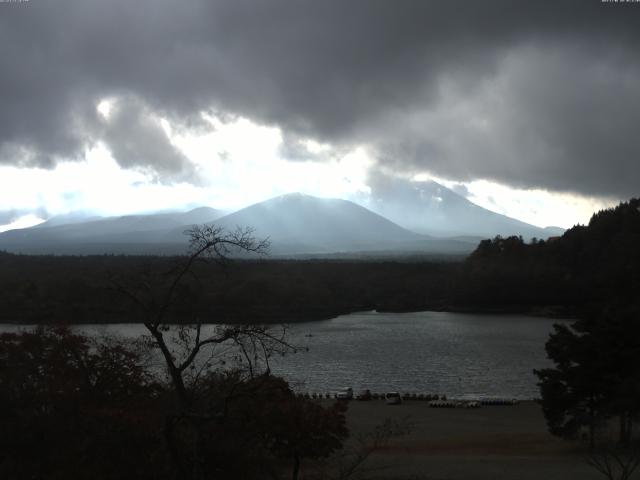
x=296 y=223
x=430 y=208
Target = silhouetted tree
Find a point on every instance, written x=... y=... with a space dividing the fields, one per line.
x=573 y=392
x=66 y=404
x=186 y=345
x=596 y=377
x=73 y=406
x=304 y=429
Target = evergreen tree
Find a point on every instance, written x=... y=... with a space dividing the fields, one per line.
x=596 y=377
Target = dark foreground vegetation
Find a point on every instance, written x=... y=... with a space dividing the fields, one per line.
x=77 y=407
x=567 y=275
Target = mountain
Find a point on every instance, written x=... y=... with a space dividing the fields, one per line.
x=70 y=234
x=433 y=209
x=132 y=223
x=68 y=219
x=303 y=224
x=554 y=231
x=296 y=225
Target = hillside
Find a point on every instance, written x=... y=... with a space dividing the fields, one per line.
x=72 y=234
x=298 y=224
x=430 y=208
x=588 y=265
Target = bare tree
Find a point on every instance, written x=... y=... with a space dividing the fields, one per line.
x=188 y=350
x=353 y=461
x=180 y=345
x=615 y=462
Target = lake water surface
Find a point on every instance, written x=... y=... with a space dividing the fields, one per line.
x=460 y=355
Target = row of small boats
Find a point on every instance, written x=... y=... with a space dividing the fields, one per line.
x=435 y=400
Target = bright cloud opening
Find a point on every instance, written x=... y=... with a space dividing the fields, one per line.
x=104 y=108
x=239 y=163
x=25 y=221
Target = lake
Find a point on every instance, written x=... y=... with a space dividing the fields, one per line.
x=458 y=354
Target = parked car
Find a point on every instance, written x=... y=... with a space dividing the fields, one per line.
x=364 y=395
x=393 y=398
x=345 y=393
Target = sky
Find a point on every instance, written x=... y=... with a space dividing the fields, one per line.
x=528 y=108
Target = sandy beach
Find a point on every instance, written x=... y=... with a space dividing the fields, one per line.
x=491 y=442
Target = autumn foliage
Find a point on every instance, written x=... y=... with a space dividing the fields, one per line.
x=78 y=407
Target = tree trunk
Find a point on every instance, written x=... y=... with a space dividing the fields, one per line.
x=592 y=426
x=174 y=372
x=168 y=432
x=296 y=466
x=198 y=460
x=624 y=429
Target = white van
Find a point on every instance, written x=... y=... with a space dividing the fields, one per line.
x=345 y=393
x=393 y=398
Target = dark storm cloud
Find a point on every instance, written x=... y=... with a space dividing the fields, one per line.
x=559 y=120
x=530 y=93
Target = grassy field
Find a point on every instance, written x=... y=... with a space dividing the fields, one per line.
x=491 y=442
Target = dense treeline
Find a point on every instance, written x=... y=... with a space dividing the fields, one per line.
x=595 y=381
x=81 y=289
x=588 y=266
x=563 y=276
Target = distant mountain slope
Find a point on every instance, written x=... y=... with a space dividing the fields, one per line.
x=136 y=223
x=70 y=234
x=68 y=219
x=158 y=221
x=297 y=223
x=430 y=208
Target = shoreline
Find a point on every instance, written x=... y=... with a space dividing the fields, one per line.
x=549 y=312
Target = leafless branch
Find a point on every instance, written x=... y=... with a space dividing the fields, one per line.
x=351 y=463
x=615 y=462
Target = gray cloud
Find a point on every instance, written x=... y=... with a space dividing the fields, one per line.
x=461 y=190
x=136 y=139
x=11 y=215
x=8 y=216
x=293 y=148
x=554 y=120
x=528 y=93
